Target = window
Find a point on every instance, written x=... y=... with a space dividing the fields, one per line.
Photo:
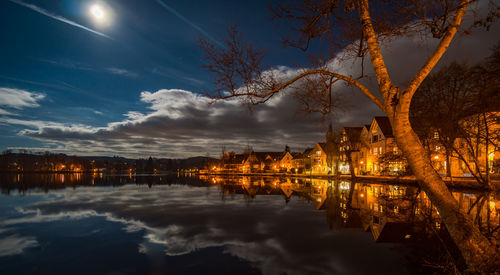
x=375 y=150
x=380 y=150
x=436 y=134
x=374 y=138
x=318 y=153
x=395 y=150
x=438 y=147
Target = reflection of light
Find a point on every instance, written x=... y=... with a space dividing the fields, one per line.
x=344 y=186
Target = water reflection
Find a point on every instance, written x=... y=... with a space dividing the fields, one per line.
x=256 y=225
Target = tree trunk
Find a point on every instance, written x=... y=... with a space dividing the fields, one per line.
x=351 y=167
x=478 y=252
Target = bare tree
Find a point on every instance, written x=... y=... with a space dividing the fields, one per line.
x=458 y=103
x=361 y=27
x=443 y=100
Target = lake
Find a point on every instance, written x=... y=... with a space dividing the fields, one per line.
x=123 y=224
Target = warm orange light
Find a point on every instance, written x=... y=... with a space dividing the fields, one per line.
x=361 y=195
x=361 y=162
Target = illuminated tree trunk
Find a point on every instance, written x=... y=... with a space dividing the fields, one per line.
x=478 y=252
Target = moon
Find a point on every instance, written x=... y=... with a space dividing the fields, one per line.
x=97 y=12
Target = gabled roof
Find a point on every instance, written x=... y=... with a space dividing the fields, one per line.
x=261 y=156
x=276 y=155
x=235 y=159
x=302 y=155
x=385 y=125
x=353 y=133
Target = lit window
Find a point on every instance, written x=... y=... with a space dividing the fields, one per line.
x=380 y=150
x=395 y=150
x=438 y=148
x=436 y=134
x=318 y=153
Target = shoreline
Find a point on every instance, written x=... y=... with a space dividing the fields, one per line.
x=457 y=183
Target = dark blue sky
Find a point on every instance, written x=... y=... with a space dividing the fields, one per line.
x=133 y=85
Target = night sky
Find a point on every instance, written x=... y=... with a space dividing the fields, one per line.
x=132 y=82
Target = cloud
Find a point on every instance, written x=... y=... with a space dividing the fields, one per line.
x=181 y=123
x=58 y=17
x=15 y=244
x=18 y=99
x=5 y=113
x=122 y=72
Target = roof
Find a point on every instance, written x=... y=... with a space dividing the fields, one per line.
x=353 y=133
x=261 y=156
x=301 y=155
x=235 y=159
x=385 y=125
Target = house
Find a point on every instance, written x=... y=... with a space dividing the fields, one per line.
x=286 y=163
x=232 y=162
x=319 y=159
x=262 y=162
x=302 y=161
x=349 y=149
x=384 y=155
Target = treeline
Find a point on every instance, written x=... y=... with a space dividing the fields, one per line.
x=24 y=161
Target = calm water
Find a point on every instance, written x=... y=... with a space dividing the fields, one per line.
x=86 y=224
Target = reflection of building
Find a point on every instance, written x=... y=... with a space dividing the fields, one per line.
x=391 y=213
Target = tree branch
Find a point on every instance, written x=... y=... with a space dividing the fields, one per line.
x=322 y=72
x=384 y=81
x=439 y=51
